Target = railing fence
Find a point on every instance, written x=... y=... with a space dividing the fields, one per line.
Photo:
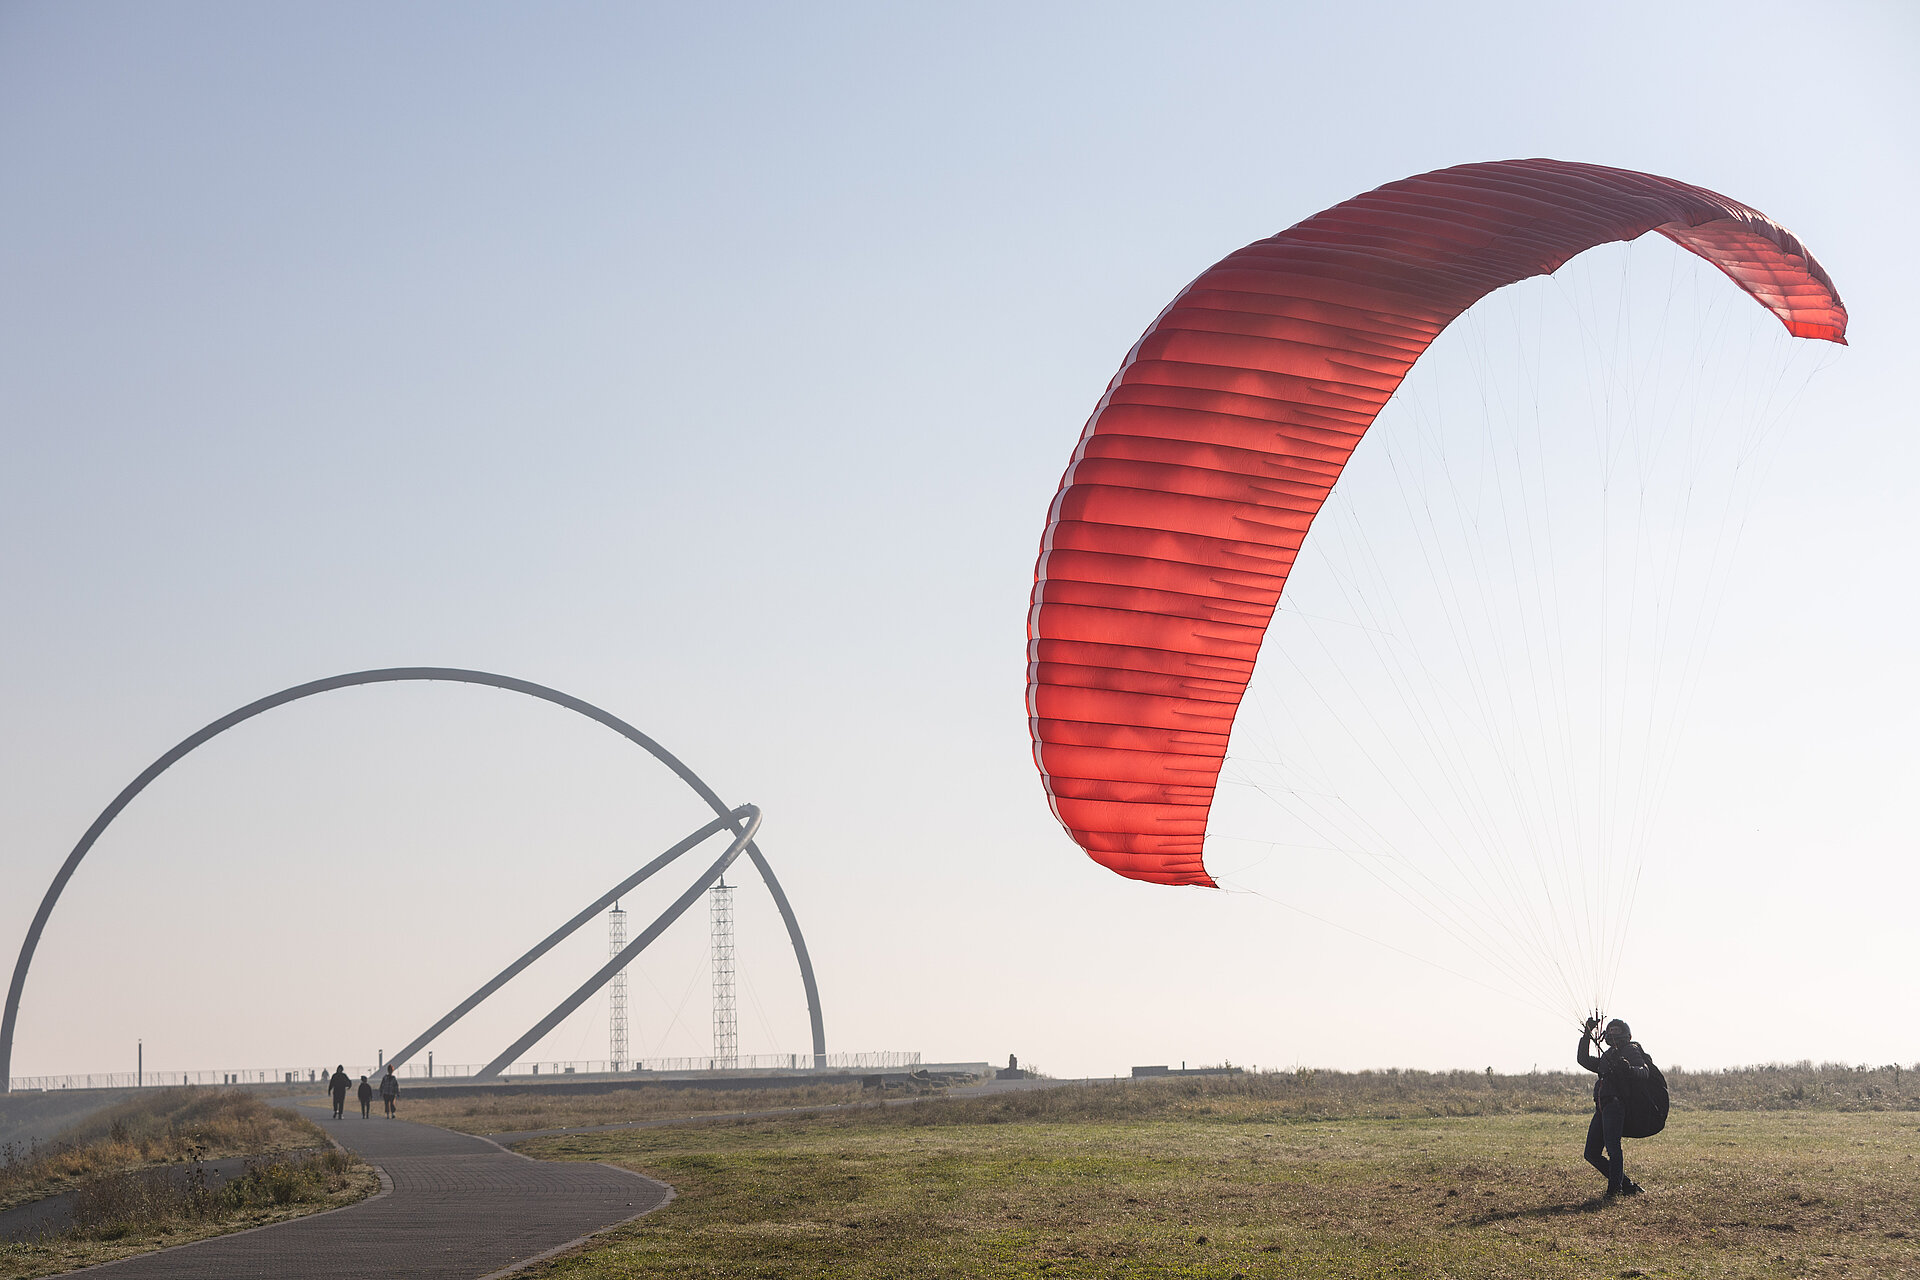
x=422 y=1070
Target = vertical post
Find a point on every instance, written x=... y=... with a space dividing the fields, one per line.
x=617 y=989
x=726 y=1027
x=429 y=1064
x=139 y=1063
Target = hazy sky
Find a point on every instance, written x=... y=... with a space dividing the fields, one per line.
x=717 y=367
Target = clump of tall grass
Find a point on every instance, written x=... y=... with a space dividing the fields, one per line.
x=160 y=1126
x=1798 y=1086
x=507 y=1109
x=154 y=1201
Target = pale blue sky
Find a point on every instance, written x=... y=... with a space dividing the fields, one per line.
x=717 y=367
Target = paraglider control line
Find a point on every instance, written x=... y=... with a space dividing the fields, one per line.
x=1228 y=887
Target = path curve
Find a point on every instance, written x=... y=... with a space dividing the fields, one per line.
x=451 y=1207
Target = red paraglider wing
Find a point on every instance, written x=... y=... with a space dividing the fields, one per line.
x=1202 y=468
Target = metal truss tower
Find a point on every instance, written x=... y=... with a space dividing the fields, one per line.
x=617 y=991
x=726 y=1024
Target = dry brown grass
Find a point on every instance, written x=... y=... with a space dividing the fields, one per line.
x=119 y=1214
x=161 y=1126
x=511 y=1110
x=1798 y=1086
x=1395 y=1095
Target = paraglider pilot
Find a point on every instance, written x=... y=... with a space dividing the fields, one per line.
x=1619 y=1067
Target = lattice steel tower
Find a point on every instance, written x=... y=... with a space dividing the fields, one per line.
x=617 y=990
x=726 y=1025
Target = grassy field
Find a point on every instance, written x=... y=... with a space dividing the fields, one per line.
x=1315 y=1175
x=510 y=1110
x=134 y=1171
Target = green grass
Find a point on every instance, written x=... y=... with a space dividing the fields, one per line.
x=1371 y=1175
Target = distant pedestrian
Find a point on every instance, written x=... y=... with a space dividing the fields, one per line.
x=389 y=1090
x=337 y=1085
x=366 y=1099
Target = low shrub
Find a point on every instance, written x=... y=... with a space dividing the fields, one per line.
x=110 y=1206
x=157 y=1127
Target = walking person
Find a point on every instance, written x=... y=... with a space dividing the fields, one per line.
x=389 y=1090
x=337 y=1085
x=1623 y=1065
x=366 y=1099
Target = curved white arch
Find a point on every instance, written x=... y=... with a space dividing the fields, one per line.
x=395 y=675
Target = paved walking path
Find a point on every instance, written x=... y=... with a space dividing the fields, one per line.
x=451 y=1207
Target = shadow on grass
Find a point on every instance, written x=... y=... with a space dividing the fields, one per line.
x=1593 y=1204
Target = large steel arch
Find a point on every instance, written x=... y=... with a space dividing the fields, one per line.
x=399 y=675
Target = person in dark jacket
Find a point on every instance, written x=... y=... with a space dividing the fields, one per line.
x=337 y=1085
x=1620 y=1068
x=366 y=1099
x=389 y=1090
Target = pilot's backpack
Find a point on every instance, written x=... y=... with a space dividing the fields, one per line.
x=1646 y=1102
